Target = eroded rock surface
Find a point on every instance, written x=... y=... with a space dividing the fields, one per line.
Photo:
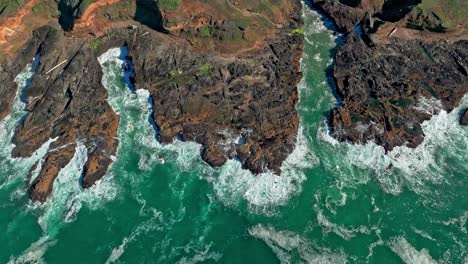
x=233 y=93
x=390 y=78
x=68 y=105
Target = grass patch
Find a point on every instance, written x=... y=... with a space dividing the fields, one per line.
x=204 y=32
x=37 y=8
x=450 y=12
x=84 y=5
x=170 y=5
x=205 y=69
x=297 y=31
x=96 y=43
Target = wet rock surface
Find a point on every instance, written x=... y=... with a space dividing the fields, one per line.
x=464 y=118
x=69 y=105
x=388 y=86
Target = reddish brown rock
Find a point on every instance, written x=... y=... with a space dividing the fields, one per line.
x=69 y=105
x=53 y=163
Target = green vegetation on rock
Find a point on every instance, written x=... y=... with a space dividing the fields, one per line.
x=204 y=32
x=170 y=5
x=439 y=15
x=297 y=31
x=96 y=43
x=37 y=7
x=205 y=69
x=8 y=7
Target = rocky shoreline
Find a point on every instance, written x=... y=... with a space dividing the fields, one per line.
x=389 y=77
x=237 y=105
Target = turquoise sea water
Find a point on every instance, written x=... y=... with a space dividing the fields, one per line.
x=333 y=203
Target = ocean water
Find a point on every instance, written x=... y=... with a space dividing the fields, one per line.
x=333 y=203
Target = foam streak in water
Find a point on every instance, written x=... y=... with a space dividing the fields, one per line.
x=290 y=247
x=409 y=254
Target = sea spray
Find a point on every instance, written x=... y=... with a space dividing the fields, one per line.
x=266 y=189
x=417 y=168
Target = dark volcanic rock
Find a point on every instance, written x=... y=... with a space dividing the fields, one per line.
x=344 y=14
x=237 y=106
x=389 y=88
x=464 y=118
x=10 y=69
x=70 y=105
x=213 y=100
x=382 y=88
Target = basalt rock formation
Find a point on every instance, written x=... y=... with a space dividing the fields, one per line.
x=68 y=106
x=391 y=78
x=464 y=118
x=225 y=81
x=240 y=107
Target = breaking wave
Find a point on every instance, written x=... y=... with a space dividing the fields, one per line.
x=266 y=189
x=415 y=168
x=16 y=168
x=231 y=182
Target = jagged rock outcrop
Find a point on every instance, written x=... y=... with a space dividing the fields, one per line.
x=68 y=105
x=344 y=16
x=215 y=100
x=239 y=104
x=388 y=85
x=464 y=118
x=384 y=88
x=9 y=69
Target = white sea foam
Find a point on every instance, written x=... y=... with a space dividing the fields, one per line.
x=154 y=223
x=8 y=124
x=265 y=189
x=404 y=166
x=346 y=233
x=461 y=221
x=201 y=256
x=134 y=108
x=19 y=167
x=317 y=24
x=290 y=247
x=66 y=186
x=409 y=254
x=34 y=253
x=329 y=226
x=429 y=106
x=68 y=196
